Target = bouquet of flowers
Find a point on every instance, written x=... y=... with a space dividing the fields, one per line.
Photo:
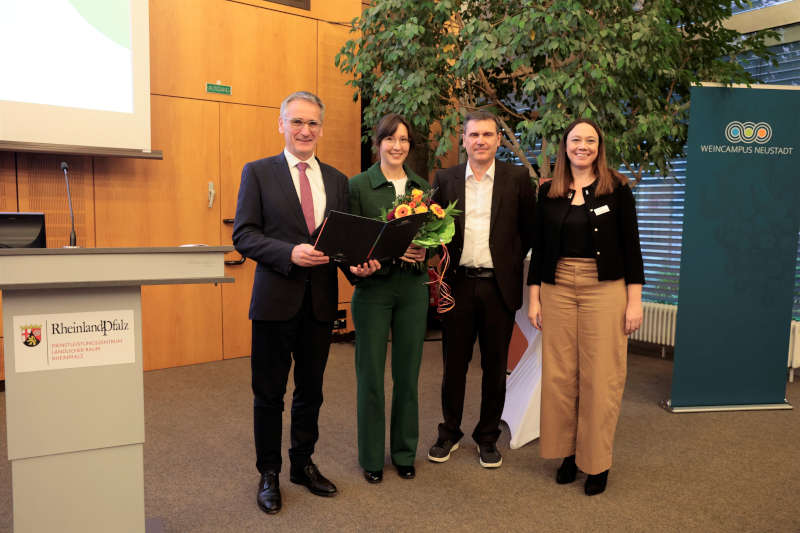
x=437 y=230
x=439 y=226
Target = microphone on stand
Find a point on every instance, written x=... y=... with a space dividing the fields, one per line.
x=72 y=237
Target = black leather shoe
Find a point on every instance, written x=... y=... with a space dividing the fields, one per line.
x=309 y=476
x=406 y=472
x=567 y=472
x=595 y=483
x=269 y=493
x=373 y=476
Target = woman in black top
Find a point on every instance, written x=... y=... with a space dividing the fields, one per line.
x=585 y=281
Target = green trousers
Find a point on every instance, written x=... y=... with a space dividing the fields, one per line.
x=398 y=301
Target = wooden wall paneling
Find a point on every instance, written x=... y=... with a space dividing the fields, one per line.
x=247 y=133
x=345 y=289
x=262 y=54
x=181 y=325
x=236 y=330
x=190 y=45
x=8 y=202
x=165 y=203
x=41 y=187
x=451 y=158
x=333 y=10
x=8 y=182
x=340 y=145
x=274 y=54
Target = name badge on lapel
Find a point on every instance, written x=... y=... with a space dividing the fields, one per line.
x=603 y=209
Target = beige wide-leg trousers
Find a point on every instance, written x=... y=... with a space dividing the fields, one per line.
x=584 y=357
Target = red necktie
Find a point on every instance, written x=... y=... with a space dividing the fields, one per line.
x=306 y=199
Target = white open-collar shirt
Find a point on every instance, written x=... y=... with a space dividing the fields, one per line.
x=477 y=219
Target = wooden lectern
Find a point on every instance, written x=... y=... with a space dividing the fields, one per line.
x=75 y=420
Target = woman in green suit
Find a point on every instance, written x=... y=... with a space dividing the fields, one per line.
x=395 y=298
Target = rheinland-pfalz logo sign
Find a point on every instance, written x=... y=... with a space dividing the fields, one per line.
x=747 y=138
x=70 y=340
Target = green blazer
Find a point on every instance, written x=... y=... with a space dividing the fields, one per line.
x=370 y=192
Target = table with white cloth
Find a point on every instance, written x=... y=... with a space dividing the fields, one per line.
x=524 y=383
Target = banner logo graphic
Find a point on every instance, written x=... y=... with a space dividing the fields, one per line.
x=748 y=132
x=31 y=335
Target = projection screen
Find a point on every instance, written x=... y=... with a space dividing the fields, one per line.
x=75 y=73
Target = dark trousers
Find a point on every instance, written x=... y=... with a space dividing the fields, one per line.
x=398 y=302
x=479 y=314
x=274 y=344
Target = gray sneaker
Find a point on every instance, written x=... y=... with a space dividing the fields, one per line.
x=489 y=456
x=441 y=450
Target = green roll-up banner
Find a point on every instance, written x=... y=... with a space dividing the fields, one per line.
x=740 y=225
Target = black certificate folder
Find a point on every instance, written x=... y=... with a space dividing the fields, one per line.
x=352 y=239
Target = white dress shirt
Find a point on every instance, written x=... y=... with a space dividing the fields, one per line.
x=477 y=219
x=314 y=173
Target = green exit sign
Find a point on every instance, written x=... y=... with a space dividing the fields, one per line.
x=217 y=88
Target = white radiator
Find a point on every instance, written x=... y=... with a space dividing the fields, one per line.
x=658 y=327
x=658 y=324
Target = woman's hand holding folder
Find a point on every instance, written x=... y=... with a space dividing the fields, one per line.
x=414 y=254
x=366 y=269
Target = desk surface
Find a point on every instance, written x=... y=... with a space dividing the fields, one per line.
x=70 y=268
x=88 y=251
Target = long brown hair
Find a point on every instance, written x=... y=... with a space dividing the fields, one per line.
x=607 y=178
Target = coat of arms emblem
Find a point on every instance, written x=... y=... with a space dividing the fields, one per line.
x=31 y=335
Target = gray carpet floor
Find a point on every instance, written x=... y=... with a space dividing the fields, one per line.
x=734 y=471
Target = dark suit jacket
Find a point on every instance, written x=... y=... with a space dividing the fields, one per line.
x=269 y=223
x=511 y=225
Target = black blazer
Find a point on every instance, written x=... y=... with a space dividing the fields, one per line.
x=269 y=223
x=513 y=204
x=614 y=230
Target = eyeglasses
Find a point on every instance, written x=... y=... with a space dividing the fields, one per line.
x=392 y=141
x=297 y=124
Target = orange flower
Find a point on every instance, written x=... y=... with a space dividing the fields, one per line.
x=402 y=210
x=416 y=194
x=412 y=204
x=421 y=208
x=437 y=210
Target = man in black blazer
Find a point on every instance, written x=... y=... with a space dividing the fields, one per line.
x=492 y=237
x=282 y=201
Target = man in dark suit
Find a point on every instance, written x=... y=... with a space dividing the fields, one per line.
x=283 y=199
x=491 y=240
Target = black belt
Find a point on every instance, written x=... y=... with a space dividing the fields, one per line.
x=479 y=272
